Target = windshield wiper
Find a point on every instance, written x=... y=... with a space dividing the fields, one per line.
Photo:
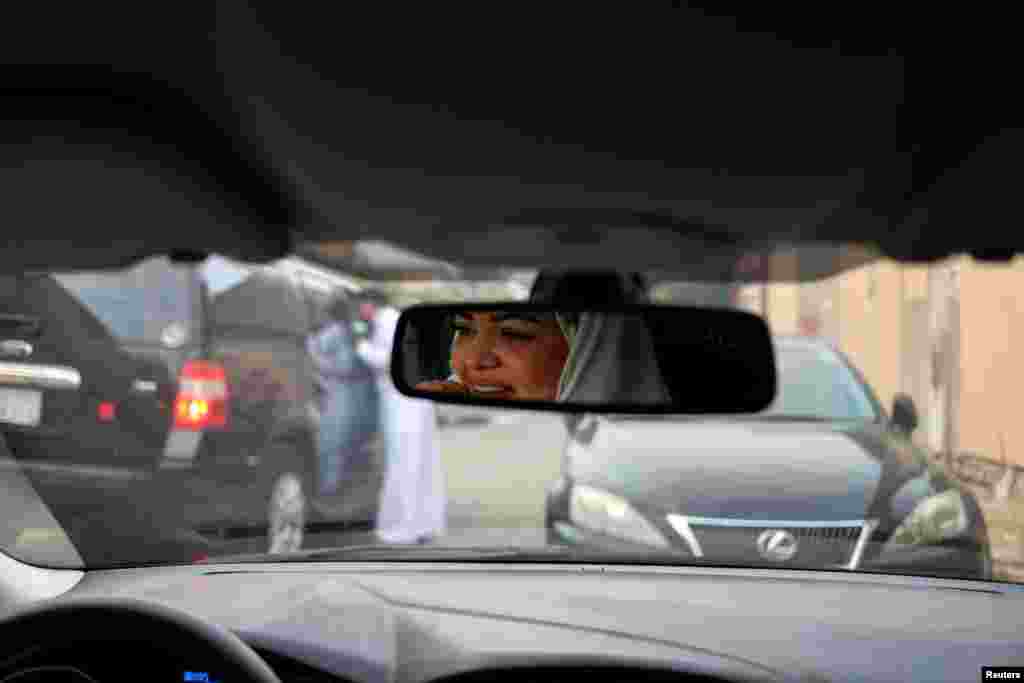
x=427 y=554
x=500 y=554
x=382 y=551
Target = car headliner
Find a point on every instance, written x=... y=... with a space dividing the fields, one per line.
x=683 y=156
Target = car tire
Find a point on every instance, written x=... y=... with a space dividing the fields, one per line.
x=288 y=491
x=984 y=565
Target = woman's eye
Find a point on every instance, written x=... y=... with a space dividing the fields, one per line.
x=519 y=336
x=462 y=329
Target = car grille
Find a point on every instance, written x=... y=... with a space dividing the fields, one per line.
x=817 y=544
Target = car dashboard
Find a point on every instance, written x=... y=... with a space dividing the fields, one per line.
x=462 y=623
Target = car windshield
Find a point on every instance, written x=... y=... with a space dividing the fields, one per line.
x=220 y=411
x=815 y=382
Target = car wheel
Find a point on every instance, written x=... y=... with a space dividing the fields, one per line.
x=287 y=511
x=984 y=564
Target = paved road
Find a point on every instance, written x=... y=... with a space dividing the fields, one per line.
x=497 y=476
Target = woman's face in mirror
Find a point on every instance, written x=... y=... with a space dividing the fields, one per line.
x=517 y=356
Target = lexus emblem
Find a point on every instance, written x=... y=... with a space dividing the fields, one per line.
x=777 y=544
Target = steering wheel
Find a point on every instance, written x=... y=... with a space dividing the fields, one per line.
x=106 y=629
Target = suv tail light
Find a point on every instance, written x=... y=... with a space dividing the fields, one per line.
x=202 y=401
x=106 y=411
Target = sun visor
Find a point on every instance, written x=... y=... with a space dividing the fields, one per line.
x=94 y=178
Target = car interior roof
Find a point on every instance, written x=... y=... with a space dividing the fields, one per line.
x=722 y=136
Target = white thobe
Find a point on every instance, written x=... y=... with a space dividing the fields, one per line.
x=413 y=499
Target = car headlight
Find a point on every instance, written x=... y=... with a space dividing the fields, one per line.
x=935 y=519
x=603 y=512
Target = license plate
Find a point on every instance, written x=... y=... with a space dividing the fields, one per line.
x=21 y=407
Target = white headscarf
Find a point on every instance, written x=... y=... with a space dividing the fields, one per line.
x=611 y=360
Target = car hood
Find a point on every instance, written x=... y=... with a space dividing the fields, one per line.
x=743 y=469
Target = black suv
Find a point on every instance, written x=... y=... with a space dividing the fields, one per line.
x=190 y=382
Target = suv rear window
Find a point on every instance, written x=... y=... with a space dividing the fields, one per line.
x=153 y=302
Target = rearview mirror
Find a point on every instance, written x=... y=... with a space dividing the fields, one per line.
x=621 y=359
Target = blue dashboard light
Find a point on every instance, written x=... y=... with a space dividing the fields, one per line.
x=197 y=677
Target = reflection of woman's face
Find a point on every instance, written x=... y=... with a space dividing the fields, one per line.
x=514 y=355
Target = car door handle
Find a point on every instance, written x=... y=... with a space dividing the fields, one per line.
x=40 y=376
x=25 y=326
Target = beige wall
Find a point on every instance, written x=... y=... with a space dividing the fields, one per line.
x=859 y=327
x=887 y=310
x=783 y=300
x=992 y=361
x=783 y=309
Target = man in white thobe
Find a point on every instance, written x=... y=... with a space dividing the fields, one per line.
x=413 y=499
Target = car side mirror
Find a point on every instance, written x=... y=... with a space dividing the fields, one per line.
x=904 y=414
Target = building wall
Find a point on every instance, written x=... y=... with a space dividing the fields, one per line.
x=783 y=300
x=992 y=361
